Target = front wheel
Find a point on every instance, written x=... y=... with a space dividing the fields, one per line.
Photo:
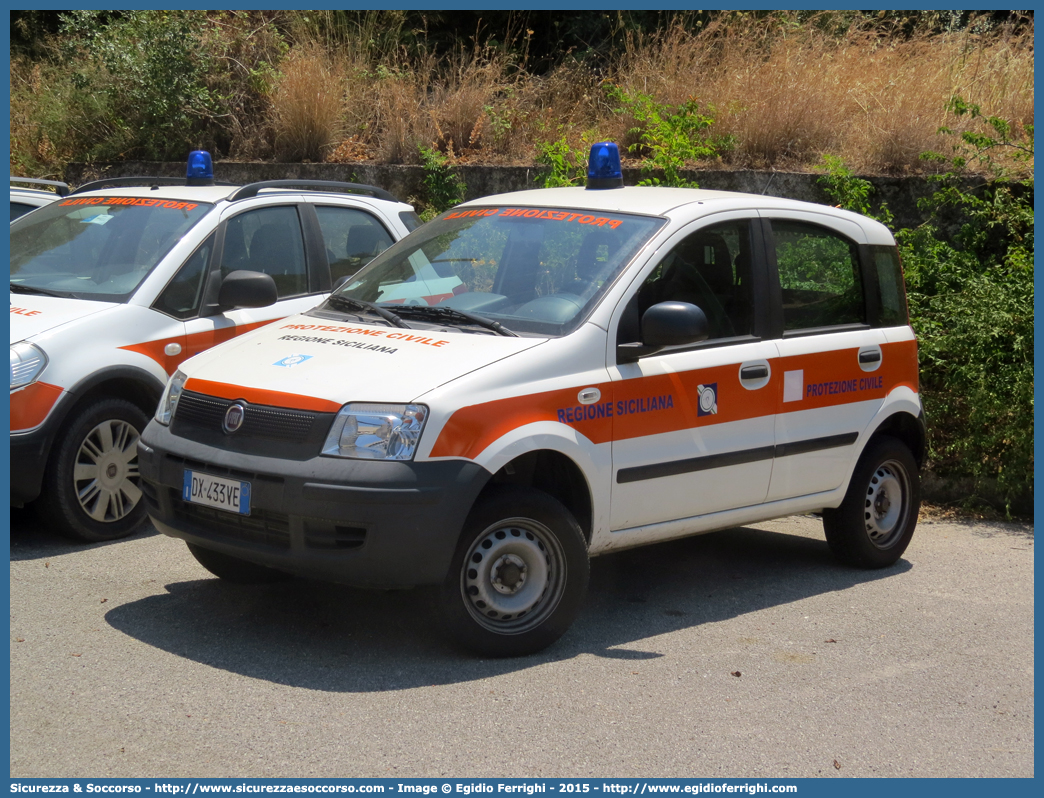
x=875 y=522
x=519 y=574
x=91 y=488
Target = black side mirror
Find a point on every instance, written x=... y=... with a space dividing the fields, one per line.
x=245 y=289
x=666 y=324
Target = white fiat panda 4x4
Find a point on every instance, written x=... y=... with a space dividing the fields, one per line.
x=536 y=378
x=115 y=284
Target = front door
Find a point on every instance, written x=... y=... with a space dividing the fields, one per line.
x=693 y=426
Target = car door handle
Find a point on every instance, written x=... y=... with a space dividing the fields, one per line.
x=871 y=356
x=759 y=372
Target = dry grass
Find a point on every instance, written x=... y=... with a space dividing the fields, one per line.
x=788 y=94
x=786 y=91
x=307 y=106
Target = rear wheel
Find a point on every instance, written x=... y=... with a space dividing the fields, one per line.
x=874 y=524
x=233 y=569
x=518 y=576
x=91 y=488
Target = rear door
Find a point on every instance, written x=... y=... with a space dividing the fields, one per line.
x=829 y=384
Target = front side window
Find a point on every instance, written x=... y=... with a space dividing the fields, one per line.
x=819 y=276
x=268 y=240
x=533 y=270
x=353 y=238
x=711 y=269
x=183 y=295
x=97 y=247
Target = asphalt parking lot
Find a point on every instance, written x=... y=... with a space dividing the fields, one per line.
x=746 y=653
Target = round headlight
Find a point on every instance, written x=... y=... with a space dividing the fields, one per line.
x=27 y=361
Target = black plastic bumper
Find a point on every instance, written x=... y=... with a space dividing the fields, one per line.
x=360 y=522
x=29 y=453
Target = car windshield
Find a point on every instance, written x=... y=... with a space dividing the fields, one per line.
x=97 y=247
x=535 y=271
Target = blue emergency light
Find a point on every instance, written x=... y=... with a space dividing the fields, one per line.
x=603 y=166
x=200 y=170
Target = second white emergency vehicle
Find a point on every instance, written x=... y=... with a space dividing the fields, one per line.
x=117 y=283
x=29 y=193
x=536 y=378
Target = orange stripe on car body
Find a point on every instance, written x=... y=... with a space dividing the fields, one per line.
x=640 y=407
x=472 y=429
x=260 y=396
x=898 y=367
x=191 y=344
x=31 y=404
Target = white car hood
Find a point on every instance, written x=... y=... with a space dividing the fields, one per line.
x=33 y=314
x=308 y=362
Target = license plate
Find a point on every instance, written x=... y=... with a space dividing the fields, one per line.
x=225 y=494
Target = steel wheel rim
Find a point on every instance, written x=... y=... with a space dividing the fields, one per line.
x=105 y=475
x=885 y=505
x=514 y=576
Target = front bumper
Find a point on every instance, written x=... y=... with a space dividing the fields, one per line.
x=29 y=452
x=359 y=522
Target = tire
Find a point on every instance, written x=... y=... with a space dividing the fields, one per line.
x=233 y=569
x=875 y=522
x=91 y=487
x=518 y=576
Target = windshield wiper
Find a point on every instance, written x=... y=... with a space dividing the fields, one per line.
x=445 y=314
x=18 y=288
x=360 y=304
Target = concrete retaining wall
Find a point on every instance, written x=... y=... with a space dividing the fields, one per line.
x=405 y=182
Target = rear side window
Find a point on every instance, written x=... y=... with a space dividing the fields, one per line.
x=819 y=276
x=891 y=291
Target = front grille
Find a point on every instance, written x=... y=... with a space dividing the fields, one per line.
x=266 y=431
x=259 y=421
x=262 y=527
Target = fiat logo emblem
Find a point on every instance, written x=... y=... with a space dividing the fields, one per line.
x=233 y=418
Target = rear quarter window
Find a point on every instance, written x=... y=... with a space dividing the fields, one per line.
x=891 y=290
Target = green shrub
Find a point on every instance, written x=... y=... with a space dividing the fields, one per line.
x=669 y=137
x=971 y=302
x=442 y=187
x=151 y=68
x=568 y=164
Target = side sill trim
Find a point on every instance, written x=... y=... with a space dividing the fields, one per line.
x=692 y=464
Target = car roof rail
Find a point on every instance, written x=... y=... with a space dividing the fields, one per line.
x=152 y=182
x=114 y=182
x=252 y=189
x=60 y=188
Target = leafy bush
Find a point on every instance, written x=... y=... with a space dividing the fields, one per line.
x=669 y=137
x=150 y=67
x=568 y=164
x=443 y=188
x=971 y=302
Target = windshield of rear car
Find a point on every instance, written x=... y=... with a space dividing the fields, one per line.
x=97 y=247
x=534 y=270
